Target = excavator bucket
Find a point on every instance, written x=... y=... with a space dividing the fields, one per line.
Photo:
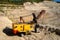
x=40 y=14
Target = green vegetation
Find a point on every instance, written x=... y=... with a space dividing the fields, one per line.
x=19 y=1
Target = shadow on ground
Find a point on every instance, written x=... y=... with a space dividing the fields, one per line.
x=8 y=31
x=57 y=31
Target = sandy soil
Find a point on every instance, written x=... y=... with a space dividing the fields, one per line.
x=50 y=18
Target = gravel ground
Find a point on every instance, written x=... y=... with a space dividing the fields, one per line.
x=12 y=15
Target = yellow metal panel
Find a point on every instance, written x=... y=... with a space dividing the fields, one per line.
x=22 y=27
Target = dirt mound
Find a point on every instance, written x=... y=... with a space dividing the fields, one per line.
x=4 y=21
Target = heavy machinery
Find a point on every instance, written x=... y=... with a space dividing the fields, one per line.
x=27 y=27
x=22 y=28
